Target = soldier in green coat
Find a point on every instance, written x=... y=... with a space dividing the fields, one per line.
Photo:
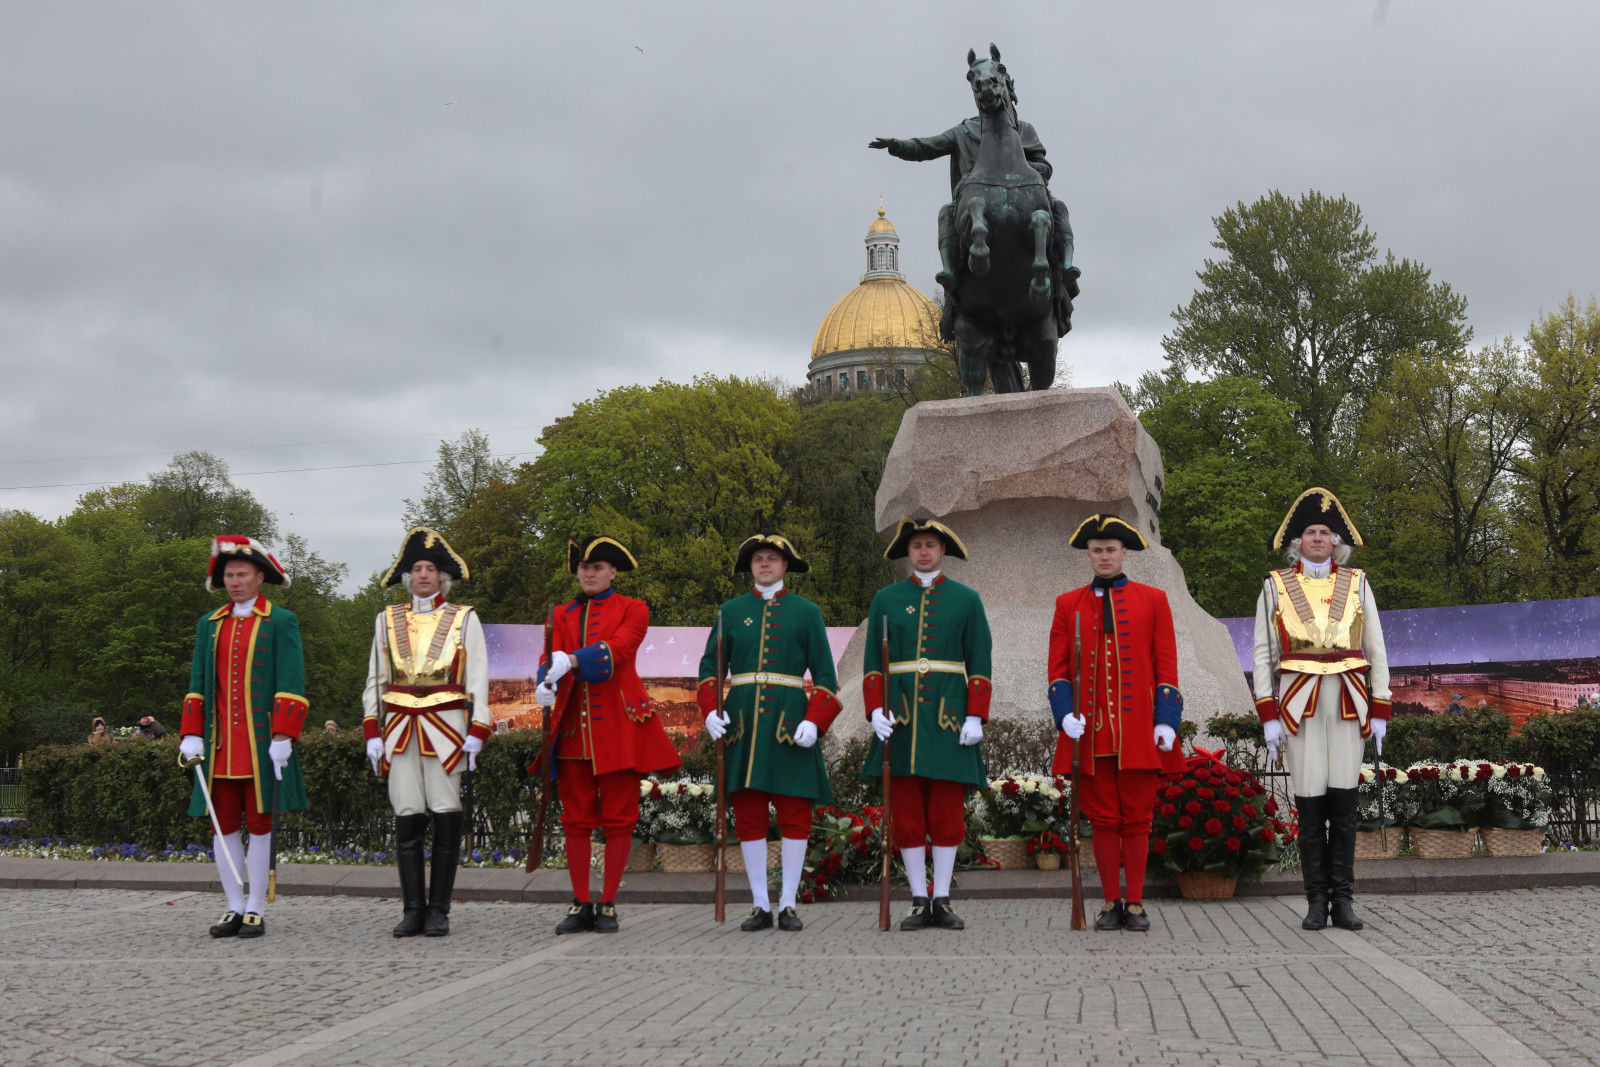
x=932 y=699
x=771 y=638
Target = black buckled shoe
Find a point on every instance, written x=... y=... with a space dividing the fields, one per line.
x=1111 y=916
x=943 y=917
x=1135 y=918
x=580 y=918
x=918 y=919
x=789 y=919
x=228 y=925
x=605 y=918
x=254 y=925
x=759 y=919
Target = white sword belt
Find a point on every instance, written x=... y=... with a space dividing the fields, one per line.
x=793 y=681
x=928 y=666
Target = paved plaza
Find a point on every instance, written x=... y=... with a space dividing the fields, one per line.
x=104 y=976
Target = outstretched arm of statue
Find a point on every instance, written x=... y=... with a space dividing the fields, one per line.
x=918 y=149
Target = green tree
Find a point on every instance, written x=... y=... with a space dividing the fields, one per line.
x=1301 y=301
x=193 y=496
x=464 y=470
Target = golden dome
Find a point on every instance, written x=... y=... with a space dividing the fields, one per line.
x=881 y=224
x=879 y=313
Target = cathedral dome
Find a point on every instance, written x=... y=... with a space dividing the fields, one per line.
x=880 y=313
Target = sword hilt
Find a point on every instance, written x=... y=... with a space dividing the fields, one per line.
x=187 y=761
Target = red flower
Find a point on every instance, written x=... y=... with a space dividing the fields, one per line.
x=1221 y=807
x=1485 y=772
x=1249 y=811
x=1251 y=791
x=1234 y=778
x=1168 y=811
x=1189 y=783
x=1184 y=822
x=1231 y=791
x=1512 y=771
x=1173 y=792
x=1159 y=845
x=1202 y=772
x=1011 y=789
x=1213 y=827
x=1266 y=834
x=1205 y=794
x=1196 y=844
x=1193 y=807
x=1239 y=823
x=1272 y=806
x=1233 y=844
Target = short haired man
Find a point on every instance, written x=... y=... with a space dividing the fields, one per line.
x=771 y=639
x=246 y=705
x=1127 y=712
x=931 y=699
x=426 y=716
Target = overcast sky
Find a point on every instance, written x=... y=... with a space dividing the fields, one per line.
x=327 y=235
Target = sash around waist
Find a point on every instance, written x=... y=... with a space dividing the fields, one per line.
x=414 y=699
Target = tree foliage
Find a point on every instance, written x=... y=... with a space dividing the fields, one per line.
x=465 y=469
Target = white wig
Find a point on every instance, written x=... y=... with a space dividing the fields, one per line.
x=1341 y=551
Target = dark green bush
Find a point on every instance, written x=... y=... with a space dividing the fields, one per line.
x=1482 y=733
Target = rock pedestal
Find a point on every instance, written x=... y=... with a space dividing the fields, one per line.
x=1014 y=475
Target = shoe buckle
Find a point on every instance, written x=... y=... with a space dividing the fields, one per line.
x=252 y=919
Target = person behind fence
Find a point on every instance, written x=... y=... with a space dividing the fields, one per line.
x=770 y=639
x=151 y=728
x=245 y=708
x=1126 y=712
x=98 y=734
x=1321 y=687
x=425 y=718
x=929 y=702
x=609 y=736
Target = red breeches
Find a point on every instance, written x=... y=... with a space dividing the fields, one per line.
x=1118 y=802
x=235 y=801
x=588 y=800
x=750 y=815
x=927 y=809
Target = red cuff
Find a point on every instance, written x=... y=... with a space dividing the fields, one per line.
x=707 y=696
x=369 y=728
x=872 y=691
x=1378 y=709
x=194 y=716
x=822 y=709
x=1267 y=709
x=480 y=730
x=979 y=692
x=289 y=714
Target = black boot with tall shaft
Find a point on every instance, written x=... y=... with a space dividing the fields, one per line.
x=1314 y=859
x=442 y=878
x=1342 y=858
x=408 y=831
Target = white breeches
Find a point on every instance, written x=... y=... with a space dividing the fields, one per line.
x=418 y=784
x=1326 y=753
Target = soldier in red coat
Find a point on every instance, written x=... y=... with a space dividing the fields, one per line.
x=608 y=735
x=1127 y=712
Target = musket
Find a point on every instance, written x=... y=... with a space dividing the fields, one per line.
x=272 y=842
x=1383 y=823
x=544 y=765
x=211 y=810
x=719 y=895
x=469 y=808
x=888 y=801
x=1074 y=812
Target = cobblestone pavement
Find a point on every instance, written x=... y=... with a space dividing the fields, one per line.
x=114 y=977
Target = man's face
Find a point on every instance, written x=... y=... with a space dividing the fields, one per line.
x=1316 y=544
x=595 y=577
x=1106 y=556
x=242 y=580
x=767 y=565
x=926 y=552
x=424 y=578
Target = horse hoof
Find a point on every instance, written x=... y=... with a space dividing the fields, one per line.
x=1039 y=294
x=978 y=262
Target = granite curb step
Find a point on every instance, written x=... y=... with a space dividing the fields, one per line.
x=1379 y=877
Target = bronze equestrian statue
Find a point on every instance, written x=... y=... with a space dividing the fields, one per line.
x=1005 y=244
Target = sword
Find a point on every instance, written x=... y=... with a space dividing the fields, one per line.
x=1383 y=822
x=211 y=810
x=272 y=843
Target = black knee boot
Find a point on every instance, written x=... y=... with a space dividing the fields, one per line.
x=442 y=878
x=1314 y=859
x=408 y=830
x=1342 y=858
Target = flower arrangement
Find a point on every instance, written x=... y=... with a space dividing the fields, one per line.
x=677 y=812
x=1520 y=797
x=1049 y=841
x=844 y=848
x=1019 y=805
x=1215 y=818
x=1394 y=799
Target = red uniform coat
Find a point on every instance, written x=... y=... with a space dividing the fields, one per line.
x=1129 y=677
x=604 y=712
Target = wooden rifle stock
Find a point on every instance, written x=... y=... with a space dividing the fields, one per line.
x=1074 y=812
x=543 y=766
x=719 y=896
x=888 y=799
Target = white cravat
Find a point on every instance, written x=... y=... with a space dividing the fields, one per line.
x=422 y=605
x=240 y=610
x=926 y=579
x=769 y=591
x=1315 y=570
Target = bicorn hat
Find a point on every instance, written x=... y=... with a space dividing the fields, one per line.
x=900 y=547
x=778 y=543
x=1316 y=506
x=425 y=544
x=1108 y=528
x=599 y=549
x=227 y=547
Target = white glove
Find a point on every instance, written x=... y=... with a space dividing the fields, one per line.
x=1379 y=728
x=472 y=746
x=1273 y=731
x=882 y=725
x=1074 y=726
x=545 y=694
x=805 y=735
x=1166 y=737
x=717 y=725
x=278 y=753
x=192 y=747
x=972 y=730
x=375 y=752
x=560 y=664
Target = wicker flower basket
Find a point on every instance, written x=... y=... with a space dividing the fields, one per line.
x=1047 y=861
x=641 y=857
x=1086 y=854
x=1441 y=844
x=1498 y=841
x=1207 y=885
x=733 y=856
x=682 y=859
x=1369 y=844
x=1011 y=853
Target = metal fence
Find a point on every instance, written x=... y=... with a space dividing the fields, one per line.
x=10 y=792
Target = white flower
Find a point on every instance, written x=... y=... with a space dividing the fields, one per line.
x=1498 y=770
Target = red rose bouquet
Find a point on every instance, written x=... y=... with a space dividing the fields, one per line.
x=1214 y=817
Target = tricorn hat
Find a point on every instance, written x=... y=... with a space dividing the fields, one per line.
x=425 y=544
x=778 y=543
x=599 y=549
x=1316 y=506
x=226 y=547
x=1108 y=528
x=901 y=545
